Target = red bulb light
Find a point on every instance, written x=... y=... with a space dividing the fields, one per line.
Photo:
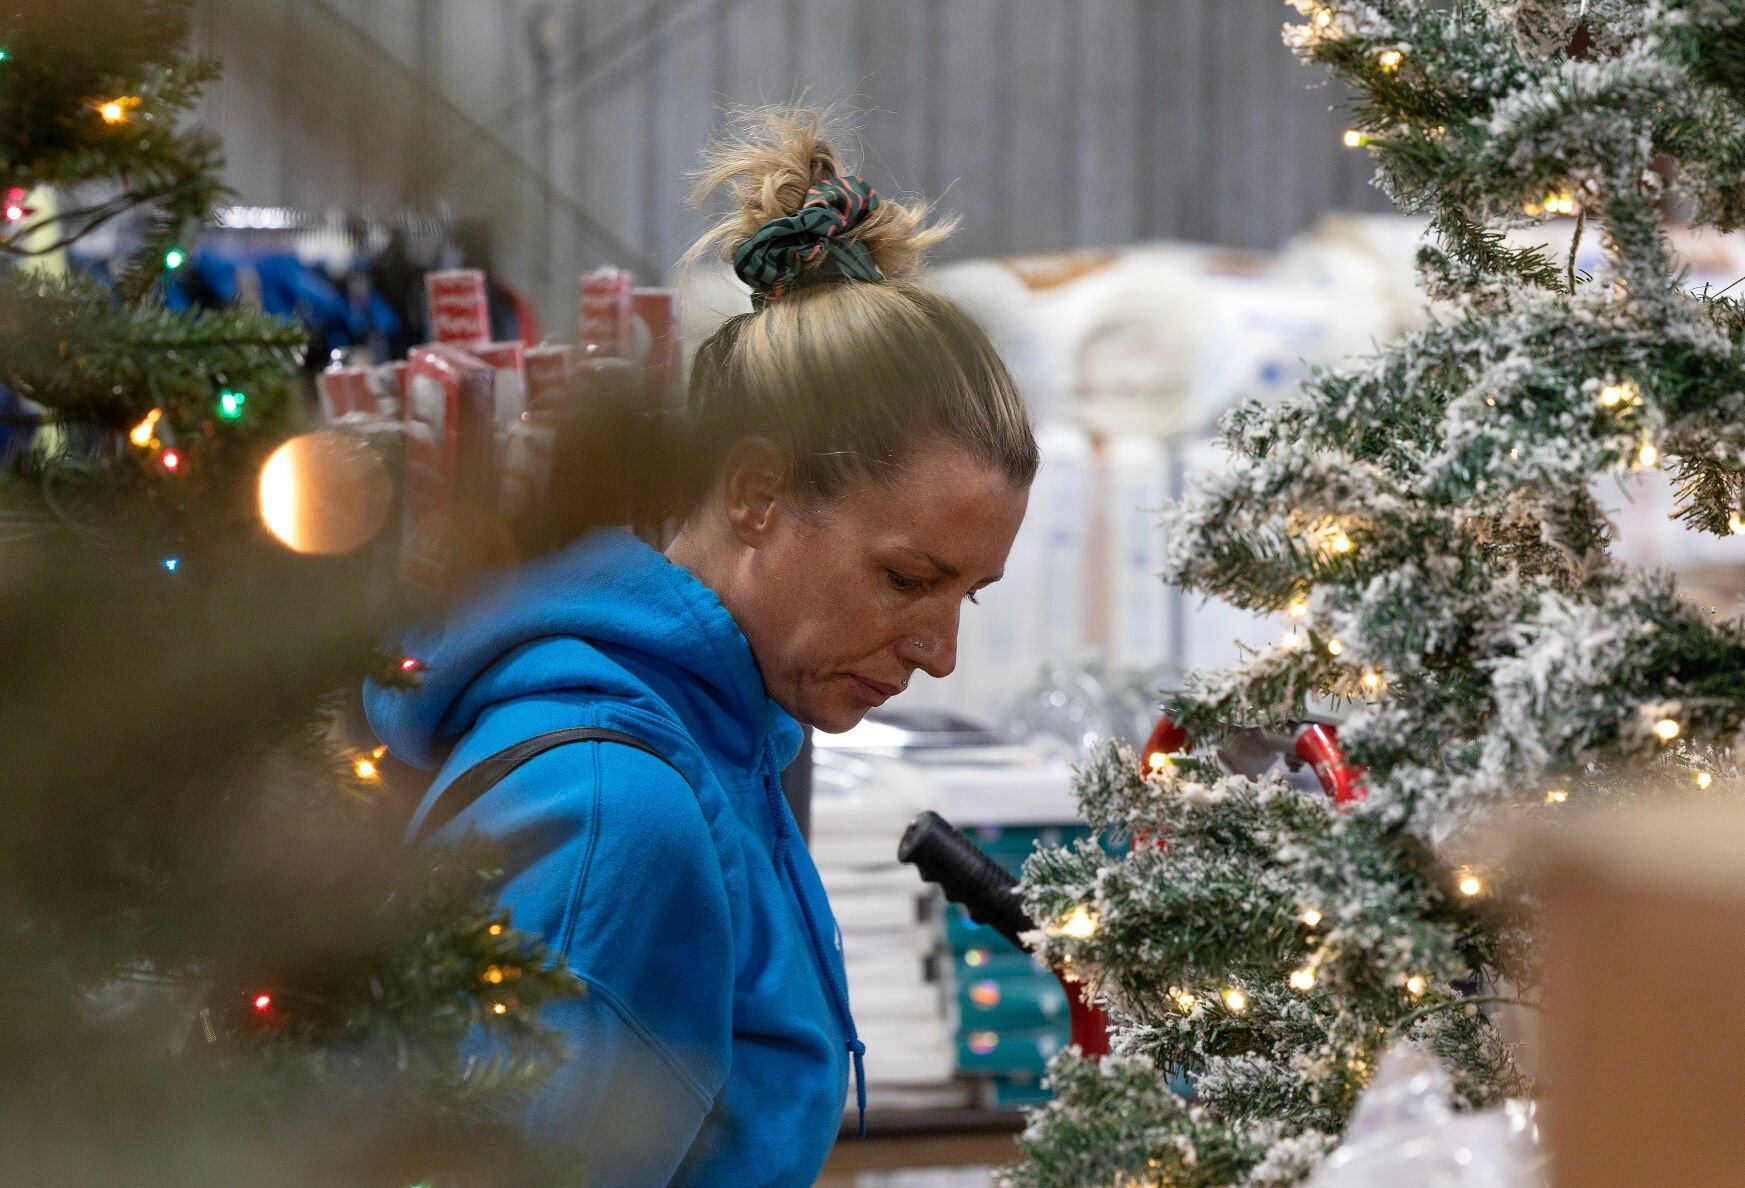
x=170 y=460
x=411 y=664
x=262 y=1001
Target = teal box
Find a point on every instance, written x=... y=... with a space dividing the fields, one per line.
x=1014 y=1093
x=1030 y=999
x=985 y=961
x=1027 y=1051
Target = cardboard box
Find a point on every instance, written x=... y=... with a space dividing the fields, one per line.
x=1644 y=1043
x=450 y=404
x=459 y=312
x=605 y=313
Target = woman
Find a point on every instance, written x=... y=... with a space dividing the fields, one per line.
x=864 y=466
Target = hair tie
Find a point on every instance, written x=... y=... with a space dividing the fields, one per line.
x=806 y=246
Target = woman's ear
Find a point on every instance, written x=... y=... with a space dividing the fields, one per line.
x=752 y=483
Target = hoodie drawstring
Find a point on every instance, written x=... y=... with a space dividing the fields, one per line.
x=838 y=990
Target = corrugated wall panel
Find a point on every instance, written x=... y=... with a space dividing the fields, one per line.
x=1046 y=125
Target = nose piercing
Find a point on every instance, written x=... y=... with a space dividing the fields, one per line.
x=921 y=645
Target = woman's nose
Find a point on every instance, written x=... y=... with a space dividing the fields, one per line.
x=931 y=647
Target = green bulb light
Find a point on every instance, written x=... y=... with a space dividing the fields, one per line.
x=174 y=259
x=230 y=403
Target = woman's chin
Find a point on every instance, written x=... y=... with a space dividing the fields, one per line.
x=835 y=718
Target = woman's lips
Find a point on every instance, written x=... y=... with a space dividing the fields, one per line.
x=875 y=692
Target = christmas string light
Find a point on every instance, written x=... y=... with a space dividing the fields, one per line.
x=145 y=433
x=1079 y=925
x=1613 y=395
x=1302 y=979
x=114 y=111
x=1334 y=647
x=1647 y=457
x=1292 y=641
x=15 y=208
x=1355 y=139
x=1556 y=796
x=263 y=1002
x=1157 y=761
x=230 y=404
x=1235 y=1001
x=1372 y=681
x=171 y=563
x=494 y=975
x=411 y=664
x=1667 y=729
x=1704 y=779
x=1390 y=59
x=175 y=258
x=494 y=930
x=1470 y=884
x=499 y=1008
x=1185 y=1000
x=171 y=460
x=365 y=768
x=1736 y=524
x=1298 y=608
x=1311 y=917
x=1416 y=985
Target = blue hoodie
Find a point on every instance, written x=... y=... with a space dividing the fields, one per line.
x=714 y=1041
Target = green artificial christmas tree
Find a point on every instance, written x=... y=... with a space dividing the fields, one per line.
x=218 y=963
x=1424 y=525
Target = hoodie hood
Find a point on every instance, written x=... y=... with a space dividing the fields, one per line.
x=608 y=616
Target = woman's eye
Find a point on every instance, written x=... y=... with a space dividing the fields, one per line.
x=903 y=581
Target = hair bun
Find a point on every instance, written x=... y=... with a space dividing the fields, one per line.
x=767 y=161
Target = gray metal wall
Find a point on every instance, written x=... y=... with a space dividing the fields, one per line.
x=1046 y=123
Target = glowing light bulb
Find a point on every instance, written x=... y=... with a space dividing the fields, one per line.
x=1612 y=395
x=1235 y=1000
x=1372 y=681
x=1647 y=456
x=1667 y=729
x=1736 y=524
x=1391 y=59
x=1339 y=542
x=1080 y=924
x=1470 y=884
x=985 y=993
x=1311 y=917
x=263 y=1002
x=144 y=433
x=1323 y=17
x=1556 y=796
x=410 y=664
x=230 y=403
x=494 y=975
x=1416 y=985
x=1355 y=139
x=1158 y=761
x=1298 y=608
x=499 y=1008
x=175 y=258
x=1290 y=641
x=1704 y=779
x=171 y=460
x=114 y=111
x=494 y=930
x=171 y=563
x=1334 y=647
x=1185 y=1001
x=365 y=768
x=1302 y=979
x=976 y=958
x=15 y=212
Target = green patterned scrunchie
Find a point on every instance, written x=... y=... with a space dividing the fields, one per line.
x=806 y=246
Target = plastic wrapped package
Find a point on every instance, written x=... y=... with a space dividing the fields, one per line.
x=1405 y=1131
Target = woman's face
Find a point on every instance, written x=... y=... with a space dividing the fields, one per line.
x=843 y=605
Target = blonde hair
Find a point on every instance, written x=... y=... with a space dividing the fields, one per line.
x=848 y=377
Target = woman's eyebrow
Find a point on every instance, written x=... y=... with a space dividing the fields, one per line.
x=949 y=571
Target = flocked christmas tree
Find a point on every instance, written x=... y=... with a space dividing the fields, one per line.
x=1423 y=525
x=217 y=962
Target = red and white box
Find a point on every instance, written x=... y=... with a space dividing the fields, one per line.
x=549 y=382
x=459 y=312
x=655 y=336
x=451 y=435
x=346 y=392
x=605 y=312
x=511 y=387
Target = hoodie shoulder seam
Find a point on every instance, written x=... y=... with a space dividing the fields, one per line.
x=648 y=1037
x=579 y=879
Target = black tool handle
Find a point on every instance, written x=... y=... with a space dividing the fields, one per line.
x=967 y=875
